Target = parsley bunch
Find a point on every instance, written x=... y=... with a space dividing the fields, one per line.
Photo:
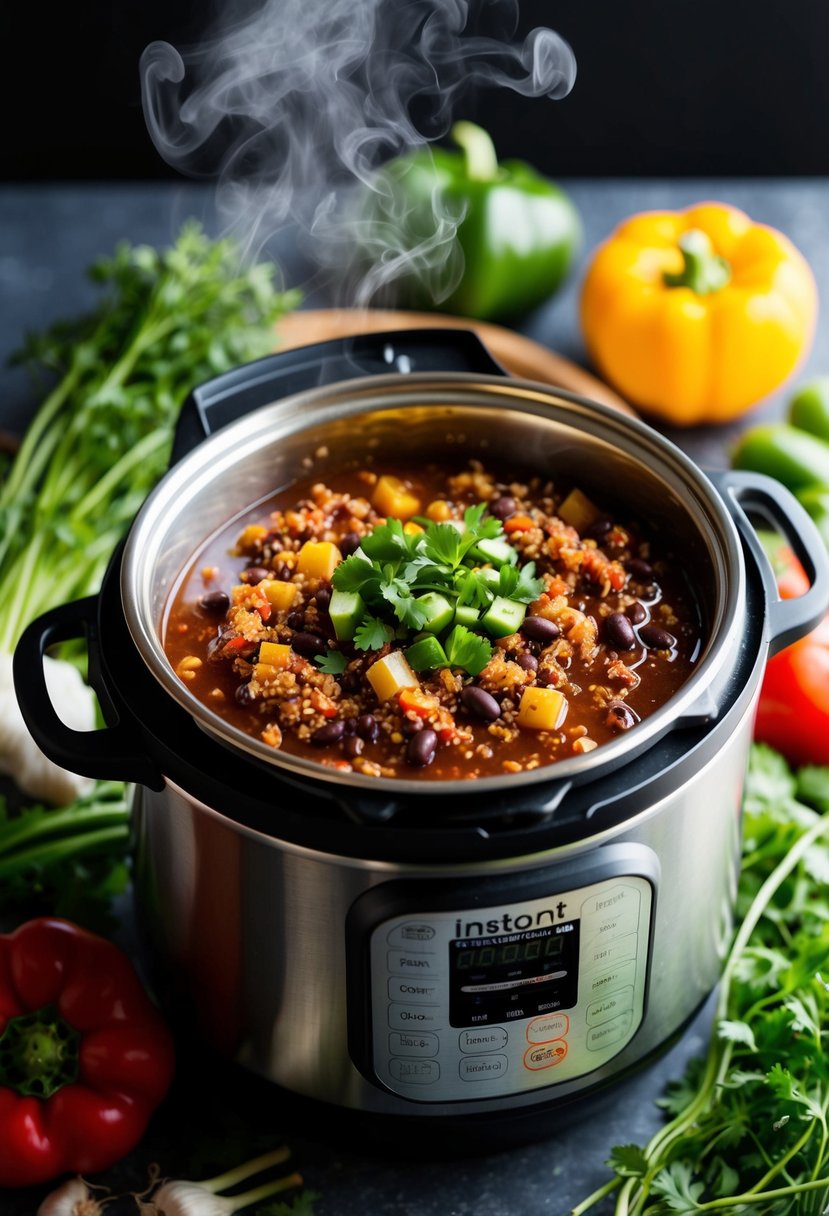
x=394 y=568
x=749 y=1126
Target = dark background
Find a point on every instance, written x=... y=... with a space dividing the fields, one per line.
x=664 y=87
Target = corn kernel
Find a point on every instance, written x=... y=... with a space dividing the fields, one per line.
x=250 y=535
x=581 y=746
x=190 y=663
x=412 y=529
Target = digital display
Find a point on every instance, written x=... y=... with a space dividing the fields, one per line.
x=517 y=975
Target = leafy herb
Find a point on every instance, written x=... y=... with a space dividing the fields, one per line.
x=402 y=567
x=333 y=662
x=466 y=649
x=749 y=1126
x=70 y=862
x=302 y=1205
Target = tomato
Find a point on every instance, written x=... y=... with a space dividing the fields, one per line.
x=793 y=715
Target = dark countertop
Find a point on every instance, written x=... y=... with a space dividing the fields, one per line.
x=48 y=235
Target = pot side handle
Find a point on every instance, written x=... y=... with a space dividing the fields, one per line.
x=747 y=492
x=109 y=753
x=217 y=402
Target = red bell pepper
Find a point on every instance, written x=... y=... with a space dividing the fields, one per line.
x=793 y=713
x=84 y=1055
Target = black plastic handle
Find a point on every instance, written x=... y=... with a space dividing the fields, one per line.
x=747 y=492
x=111 y=753
x=235 y=393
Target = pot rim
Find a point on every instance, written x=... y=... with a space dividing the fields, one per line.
x=694 y=702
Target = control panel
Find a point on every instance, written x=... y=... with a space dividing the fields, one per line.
x=504 y=999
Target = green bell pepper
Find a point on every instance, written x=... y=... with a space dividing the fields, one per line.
x=809 y=408
x=794 y=457
x=517 y=236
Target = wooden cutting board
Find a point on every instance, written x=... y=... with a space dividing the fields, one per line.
x=520 y=356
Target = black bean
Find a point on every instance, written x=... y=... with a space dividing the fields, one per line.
x=350 y=726
x=599 y=528
x=618 y=632
x=215 y=601
x=330 y=733
x=283 y=572
x=322 y=597
x=368 y=728
x=295 y=619
x=349 y=543
x=544 y=678
x=636 y=612
x=254 y=574
x=243 y=694
x=353 y=746
x=421 y=748
x=350 y=680
x=639 y=568
x=411 y=726
x=503 y=506
x=308 y=644
x=480 y=703
x=528 y=661
x=620 y=716
x=539 y=629
x=656 y=638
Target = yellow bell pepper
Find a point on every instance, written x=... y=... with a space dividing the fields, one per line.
x=697 y=315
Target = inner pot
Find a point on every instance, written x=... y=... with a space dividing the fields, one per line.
x=450 y=418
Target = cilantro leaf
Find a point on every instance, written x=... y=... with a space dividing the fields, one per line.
x=386 y=543
x=372 y=633
x=333 y=662
x=355 y=574
x=467 y=650
x=484 y=529
x=302 y=1205
x=444 y=544
x=628 y=1161
x=676 y=1186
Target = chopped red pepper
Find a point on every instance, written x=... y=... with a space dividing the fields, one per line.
x=412 y=700
x=518 y=523
x=84 y=1056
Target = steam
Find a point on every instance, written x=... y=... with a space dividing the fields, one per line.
x=293 y=106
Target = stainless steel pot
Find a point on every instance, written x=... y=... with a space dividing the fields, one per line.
x=428 y=950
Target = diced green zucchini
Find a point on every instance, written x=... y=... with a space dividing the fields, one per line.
x=499 y=552
x=426 y=654
x=503 y=617
x=466 y=615
x=491 y=577
x=439 y=611
x=346 y=611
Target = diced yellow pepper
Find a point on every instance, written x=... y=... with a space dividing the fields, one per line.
x=542 y=709
x=387 y=676
x=412 y=529
x=275 y=654
x=319 y=558
x=578 y=511
x=251 y=534
x=392 y=499
x=439 y=511
x=280 y=595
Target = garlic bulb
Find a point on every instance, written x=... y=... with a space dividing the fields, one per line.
x=73 y=1198
x=20 y=756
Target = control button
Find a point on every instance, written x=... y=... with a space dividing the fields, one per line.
x=550 y=1026
x=611 y=901
x=402 y=962
x=415 y=1072
x=609 y=1007
x=401 y=1044
x=415 y=1017
x=597 y=929
x=491 y=1039
x=410 y=990
x=602 y=953
x=609 y=1032
x=608 y=981
x=482 y=1068
x=413 y=935
x=545 y=1055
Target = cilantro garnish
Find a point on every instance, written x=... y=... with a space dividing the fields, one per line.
x=395 y=568
x=333 y=662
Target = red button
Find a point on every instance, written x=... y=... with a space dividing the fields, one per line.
x=545 y=1055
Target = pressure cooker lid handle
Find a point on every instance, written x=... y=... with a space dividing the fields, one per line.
x=753 y=494
x=235 y=393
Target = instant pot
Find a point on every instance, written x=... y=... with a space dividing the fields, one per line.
x=437 y=955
